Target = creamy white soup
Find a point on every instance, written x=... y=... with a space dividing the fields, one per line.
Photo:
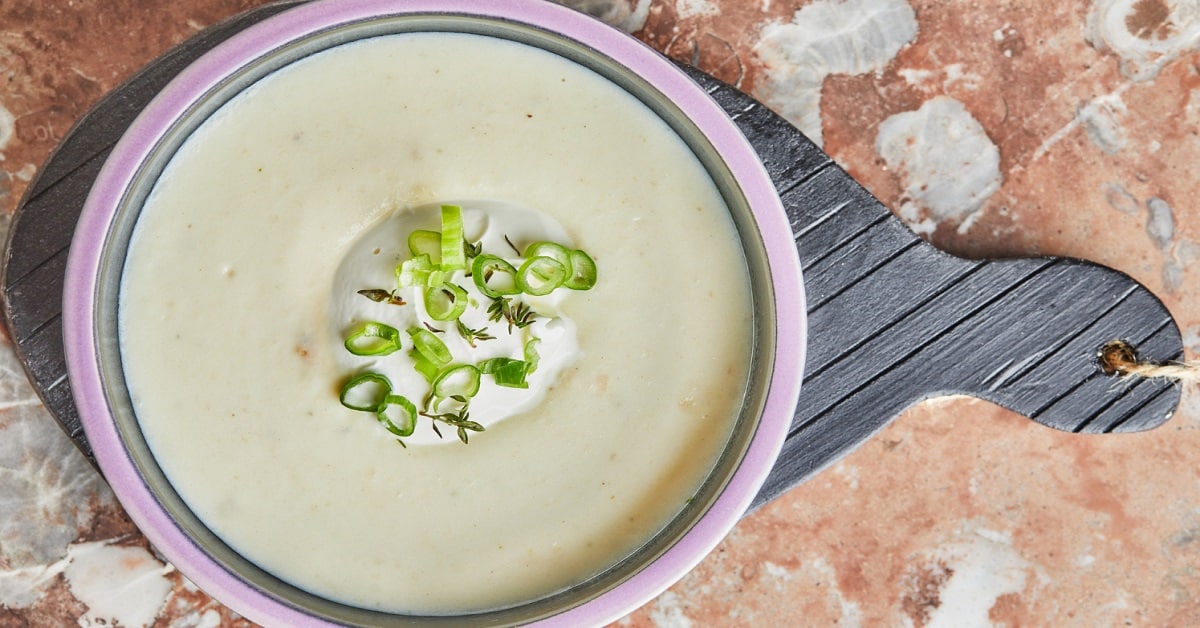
x=231 y=328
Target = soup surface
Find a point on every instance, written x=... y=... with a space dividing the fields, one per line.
x=232 y=359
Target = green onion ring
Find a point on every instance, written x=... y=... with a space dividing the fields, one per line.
x=426 y=242
x=354 y=386
x=531 y=354
x=408 y=415
x=436 y=277
x=541 y=275
x=487 y=266
x=454 y=254
x=583 y=271
x=371 y=338
x=506 y=372
x=457 y=381
x=430 y=346
x=414 y=272
x=422 y=365
x=554 y=250
x=445 y=302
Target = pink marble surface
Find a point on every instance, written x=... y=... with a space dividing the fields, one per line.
x=993 y=129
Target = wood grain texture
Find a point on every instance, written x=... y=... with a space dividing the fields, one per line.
x=892 y=320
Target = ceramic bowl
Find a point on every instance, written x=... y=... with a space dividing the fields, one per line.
x=101 y=240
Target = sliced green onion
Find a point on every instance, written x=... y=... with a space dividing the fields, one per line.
x=425 y=242
x=512 y=375
x=493 y=276
x=454 y=256
x=445 y=302
x=366 y=392
x=430 y=346
x=583 y=271
x=422 y=365
x=398 y=415
x=371 y=338
x=541 y=275
x=414 y=272
x=436 y=277
x=487 y=366
x=457 y=381
x=506 y=371
x=554 y=250
x=531 y=354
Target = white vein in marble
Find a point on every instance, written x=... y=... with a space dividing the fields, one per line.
x=687 y=9
x=1101 y=118
x=7 y=127
x=627 y=15
x=1142 y=54
x=821 y=574
x=1160 y=222
x=1179 y=253
x=952 y=76
x=668 y=612
x=121 y=586
x=824 y=38
x=1120 y=199
x=48 y=491
x=982 y=565
x=946 y=163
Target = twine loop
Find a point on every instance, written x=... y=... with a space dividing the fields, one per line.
x=1118 y=357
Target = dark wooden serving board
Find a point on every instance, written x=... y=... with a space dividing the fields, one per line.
x=892 y=320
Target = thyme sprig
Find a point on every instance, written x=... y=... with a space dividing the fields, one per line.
x=460 y=420
x=472 y=335
x=517 y=314
x=513 y=246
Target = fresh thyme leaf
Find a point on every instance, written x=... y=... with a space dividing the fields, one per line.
x=376 y=294
x=460 y=421
x=471 y=335
x=401 y=443
x=519 y=315
x=498 y=309
x=472 y=250
x=510 y=243
x=382 y=296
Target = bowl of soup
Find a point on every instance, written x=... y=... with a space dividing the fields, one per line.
x=408 y=312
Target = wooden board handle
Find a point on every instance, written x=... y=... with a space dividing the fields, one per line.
x=892 y=320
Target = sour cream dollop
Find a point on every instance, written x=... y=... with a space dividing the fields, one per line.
x=497 y=228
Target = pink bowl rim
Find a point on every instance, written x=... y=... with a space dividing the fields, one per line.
x=86 y=254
